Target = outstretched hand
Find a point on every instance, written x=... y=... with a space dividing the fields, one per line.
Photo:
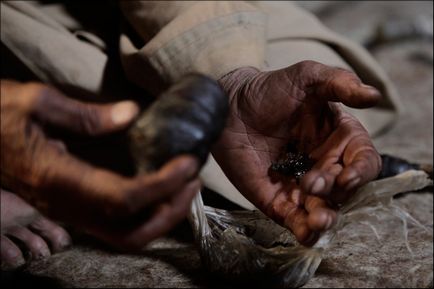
x=302 y=104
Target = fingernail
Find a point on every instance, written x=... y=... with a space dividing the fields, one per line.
x=123 y=112
x=14 y=258
x=352 y=184
x=367 y=86
x=12 y=254
x=329 y=223
x=371 y=88
x=318 y=186
x=42 y=255
x=64 y=242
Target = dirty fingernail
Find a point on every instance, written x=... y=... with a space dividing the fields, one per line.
x=123 y=112
x=318 y=186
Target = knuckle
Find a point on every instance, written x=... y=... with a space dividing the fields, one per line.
x=38 y=91
x=307 y=65
x=37 y=88
x=89 y=121
x=277 y=212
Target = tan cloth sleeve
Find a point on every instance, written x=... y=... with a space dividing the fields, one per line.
x=210 y=37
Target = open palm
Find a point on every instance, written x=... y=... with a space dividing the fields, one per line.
x=297 y=104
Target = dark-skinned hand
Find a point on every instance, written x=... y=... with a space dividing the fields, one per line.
x=126 y=212
x=303 y=104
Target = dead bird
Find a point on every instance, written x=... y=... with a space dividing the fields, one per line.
x=248 y=248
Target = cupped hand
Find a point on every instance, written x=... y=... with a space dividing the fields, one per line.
x=301 y=104
x=126 y=212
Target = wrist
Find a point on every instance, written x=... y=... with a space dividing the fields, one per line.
x=234 y=81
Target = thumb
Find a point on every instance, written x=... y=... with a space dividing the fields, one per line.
x=55 y=108
x=339 y=85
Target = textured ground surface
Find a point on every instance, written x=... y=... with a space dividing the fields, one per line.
x=357 y=260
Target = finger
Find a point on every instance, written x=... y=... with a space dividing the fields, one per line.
x=364 y=168
x=339 y=85
x=321 y=178
x=98 y=193
x=11 y=256
x=58 y=238
x=297 y=222
x=165 y=217
x=148 y=189
x=55 y=108
x=287 y=209
x=320 y=181
x=334 y=146
x=36 y=245
x=321 y=216
x=361 y=165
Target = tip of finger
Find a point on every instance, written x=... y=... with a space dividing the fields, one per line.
x=315 y=184
x=187 y=163
x=310 y=239
x=370 y=96
x=195 y=185
x=124 y=112
x=321 y=219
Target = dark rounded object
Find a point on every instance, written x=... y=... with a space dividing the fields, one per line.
x=392 y=166
x=186 y=119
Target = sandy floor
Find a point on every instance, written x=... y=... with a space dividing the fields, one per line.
x=356 y=261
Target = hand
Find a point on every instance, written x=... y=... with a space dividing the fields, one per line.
x=299 y=103
x=125 y=212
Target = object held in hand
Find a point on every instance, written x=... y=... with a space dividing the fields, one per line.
x=186 y=119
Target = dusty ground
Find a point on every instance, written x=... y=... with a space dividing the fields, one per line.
x=356 y=261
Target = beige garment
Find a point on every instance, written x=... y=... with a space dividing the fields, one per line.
x=211 y=37
x=171 y=38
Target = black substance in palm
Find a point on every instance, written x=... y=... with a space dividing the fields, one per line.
x=292 y=162
x=186 y=119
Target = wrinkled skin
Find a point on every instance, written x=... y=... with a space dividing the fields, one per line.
x=126 y=212
x=299 y=103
